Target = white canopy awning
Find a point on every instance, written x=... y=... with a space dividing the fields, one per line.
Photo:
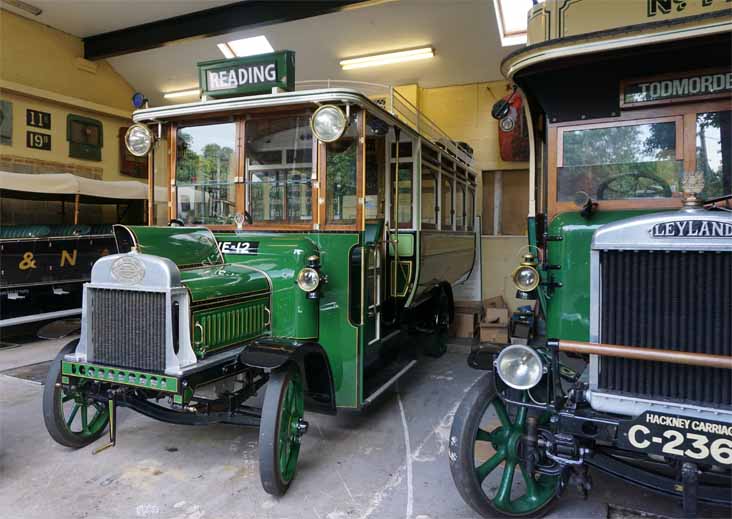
x=68 y=184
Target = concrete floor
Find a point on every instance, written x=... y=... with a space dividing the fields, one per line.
x=351 y=466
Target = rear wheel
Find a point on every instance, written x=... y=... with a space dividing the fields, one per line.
x=280 y=430
x=484 y=458
x=72 y=418
x=436 y=345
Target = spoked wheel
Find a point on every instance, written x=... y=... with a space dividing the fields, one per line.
x=280 y=430
x=72 y=418
x=484 y=458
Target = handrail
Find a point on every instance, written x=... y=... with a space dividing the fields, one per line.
x=395 y=103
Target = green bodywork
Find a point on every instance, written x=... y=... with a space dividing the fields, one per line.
x=129 y=377
x=567 y=307
x=324 y=320
x=184 y=246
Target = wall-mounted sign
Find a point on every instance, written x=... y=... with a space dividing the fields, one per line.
x=38 y=141
x=85 y=137
x=6 y=122
x=675 y=89
x=246 y=76
x=38 y=119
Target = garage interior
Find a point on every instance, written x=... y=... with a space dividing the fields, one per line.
x=81 y=62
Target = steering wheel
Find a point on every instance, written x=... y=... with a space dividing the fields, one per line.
x=176 y=222
x=634 y=185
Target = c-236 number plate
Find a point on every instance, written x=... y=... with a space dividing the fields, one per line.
x=693 y=439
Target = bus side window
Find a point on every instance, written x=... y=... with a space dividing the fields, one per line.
x=446 y=206
x=404 y=205
x=470 y=209
x=429 y=197
x=460 y=206
x=375 y=169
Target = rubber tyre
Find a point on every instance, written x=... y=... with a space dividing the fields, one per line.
x=273 y=480
x=461 y=451
x=436 y=344
x=55 y=420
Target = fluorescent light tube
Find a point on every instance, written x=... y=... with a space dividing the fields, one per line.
x=182 y=93
x=388 y=58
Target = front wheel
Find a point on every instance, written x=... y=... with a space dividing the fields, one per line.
x=484 y=458
x=72 y=418
x=280 y=429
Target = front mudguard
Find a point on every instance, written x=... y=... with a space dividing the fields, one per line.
x=271 y=353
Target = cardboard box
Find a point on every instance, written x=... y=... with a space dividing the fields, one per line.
x=465 y=325
x=469 y=307
x=497 y=334
x=495 y=302
x=496 y=316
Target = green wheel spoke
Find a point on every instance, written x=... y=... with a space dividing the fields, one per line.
x=532 y=490
x=72 y=415
x=484 y=436
x=503 y=496
x=84 y=419
x=521 y=416
x=501 y=413
x=490 y=464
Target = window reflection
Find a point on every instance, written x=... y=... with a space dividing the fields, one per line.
x=620 y=162
x=460 y=207
x=446 y=206
x=340 y=189
x=429 y=198
x=279 y=164
x=714 y=152
x=205 y=170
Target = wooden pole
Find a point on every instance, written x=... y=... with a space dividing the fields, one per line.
x=76 y=209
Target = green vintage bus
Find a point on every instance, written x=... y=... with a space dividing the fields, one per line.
x=314 y=242
x=628 y=369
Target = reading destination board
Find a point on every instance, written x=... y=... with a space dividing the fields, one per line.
x=247 y=76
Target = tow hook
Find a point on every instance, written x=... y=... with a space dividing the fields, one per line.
x=112 y=405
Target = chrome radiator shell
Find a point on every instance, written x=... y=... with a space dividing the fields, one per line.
x=636 y=235
x=127 y=315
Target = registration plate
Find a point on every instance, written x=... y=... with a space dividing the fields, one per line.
x=692 y=439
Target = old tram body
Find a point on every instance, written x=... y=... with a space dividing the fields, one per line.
x=629 y=366
x=295 y=263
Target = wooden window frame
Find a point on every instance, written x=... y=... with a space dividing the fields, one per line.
x=173 y=157
x=322 y=173
x=283 y=225
x=683 y=114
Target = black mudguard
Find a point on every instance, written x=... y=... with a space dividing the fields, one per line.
x=271 y=353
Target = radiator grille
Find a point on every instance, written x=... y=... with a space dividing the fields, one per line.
x=128 y=328
x=668 y=300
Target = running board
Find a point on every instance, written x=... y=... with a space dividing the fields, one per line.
x=388 y=383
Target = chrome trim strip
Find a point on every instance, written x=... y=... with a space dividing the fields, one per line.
x=39 y=317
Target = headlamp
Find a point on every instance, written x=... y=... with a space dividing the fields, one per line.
x=525 y=276
x=519 y=366
x=139 y=140
x=328 y=123
x=308 y=279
